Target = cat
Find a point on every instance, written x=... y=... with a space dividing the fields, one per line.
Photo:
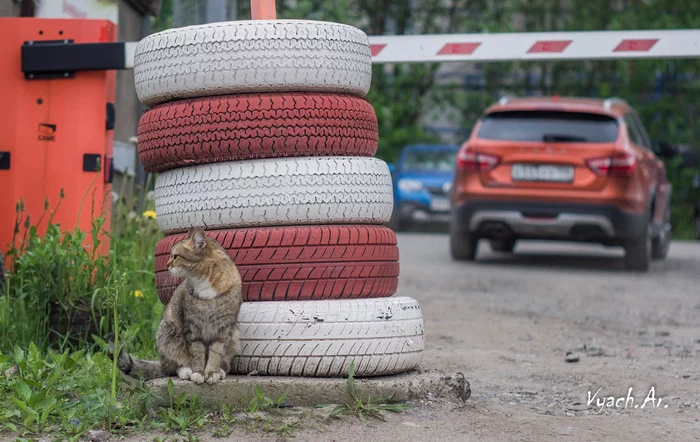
x=198 y=334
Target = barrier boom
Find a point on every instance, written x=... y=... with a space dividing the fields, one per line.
x=542 y=46
x=589 y=45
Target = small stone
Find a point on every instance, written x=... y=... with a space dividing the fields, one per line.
x=11 y=371
x=241 y=417
x=430 y=397
x=672 y=322
x=572 y=357
x=663 y=333
x=97 y=436
x=525 y=337
x=593 y=349
x=570 y=414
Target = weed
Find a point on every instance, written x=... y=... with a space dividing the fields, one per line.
x=368 y=408
x=183 y=413
x=260 y=402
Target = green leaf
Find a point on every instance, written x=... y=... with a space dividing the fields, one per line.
x=171 y=390
x=24 y=408
x=338 y=409
x=47 y=412
x=23 y=390
x=19 y=355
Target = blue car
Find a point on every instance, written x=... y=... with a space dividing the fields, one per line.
x=422 y=180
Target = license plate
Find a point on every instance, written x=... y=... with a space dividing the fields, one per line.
x=542 y=172
x=440 y=205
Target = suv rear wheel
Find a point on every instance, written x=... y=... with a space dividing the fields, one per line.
x=638 y=252
x=505 y=245
x=463 y=245
x=662 y=242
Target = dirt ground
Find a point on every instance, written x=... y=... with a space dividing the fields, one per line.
x=508 y=322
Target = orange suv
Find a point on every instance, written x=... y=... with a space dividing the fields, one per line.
x=570 y=169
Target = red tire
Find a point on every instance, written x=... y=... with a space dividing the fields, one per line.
x=301 y=262
x=240 y=127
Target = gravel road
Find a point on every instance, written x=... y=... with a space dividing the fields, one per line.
x=507 y=323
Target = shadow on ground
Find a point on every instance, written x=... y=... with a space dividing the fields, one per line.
x=582 y=262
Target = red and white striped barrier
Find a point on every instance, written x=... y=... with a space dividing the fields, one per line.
x=536 y=46
x=590 y=45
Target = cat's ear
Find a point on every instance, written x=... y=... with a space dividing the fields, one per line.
x=199 y=238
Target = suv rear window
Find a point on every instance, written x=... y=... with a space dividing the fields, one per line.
x=552 y=126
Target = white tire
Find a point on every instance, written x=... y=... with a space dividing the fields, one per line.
x=274 y=192
x=320 y=338
x=252 y=56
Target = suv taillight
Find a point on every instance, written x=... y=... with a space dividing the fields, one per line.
x=616 y=165
x=476 y=162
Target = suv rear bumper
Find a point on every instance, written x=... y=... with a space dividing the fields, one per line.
x=525 y=220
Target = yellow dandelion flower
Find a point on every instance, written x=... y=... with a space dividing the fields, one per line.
x=149 y=214
x=137 y=294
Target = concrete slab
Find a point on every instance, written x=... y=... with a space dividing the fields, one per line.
x=308 y=392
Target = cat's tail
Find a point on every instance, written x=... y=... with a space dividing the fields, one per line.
x=137 y=368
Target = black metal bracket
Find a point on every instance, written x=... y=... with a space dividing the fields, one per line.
x=51 y=59
x=111 y=116
x=109 y=169
x=4 y=160
x=92 y=162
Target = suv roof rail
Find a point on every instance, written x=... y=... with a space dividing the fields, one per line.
x=504 y=99
x=612 y=100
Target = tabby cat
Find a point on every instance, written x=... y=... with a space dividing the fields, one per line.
x=197 y=336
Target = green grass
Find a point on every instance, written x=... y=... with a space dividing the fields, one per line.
x=55 y=273
x=367 y=408
x=67 y=385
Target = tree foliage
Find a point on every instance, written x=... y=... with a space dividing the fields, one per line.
x=406 y=97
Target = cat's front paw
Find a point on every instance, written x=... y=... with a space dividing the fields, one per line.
x=197 y=377
x=184 y=373
x=213 y=378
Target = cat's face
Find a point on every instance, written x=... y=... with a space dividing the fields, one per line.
x=188 y=256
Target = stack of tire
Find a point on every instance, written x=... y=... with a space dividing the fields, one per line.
x=260 y=134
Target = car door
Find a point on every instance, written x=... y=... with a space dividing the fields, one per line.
x=661 y=188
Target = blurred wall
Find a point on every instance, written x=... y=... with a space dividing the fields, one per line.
x=9 y=8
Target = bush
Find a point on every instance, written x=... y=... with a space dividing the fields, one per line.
x=61 y=292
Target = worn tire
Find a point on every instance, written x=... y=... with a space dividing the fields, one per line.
x=244 y=127
x=464 y=245
x=252 y=57
x=638 y=253
x=320 y=338
x=273 y=192
x=503 y=246
x=661 y=244
x=301 y=262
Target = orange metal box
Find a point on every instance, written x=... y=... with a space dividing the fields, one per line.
x=54 y=130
